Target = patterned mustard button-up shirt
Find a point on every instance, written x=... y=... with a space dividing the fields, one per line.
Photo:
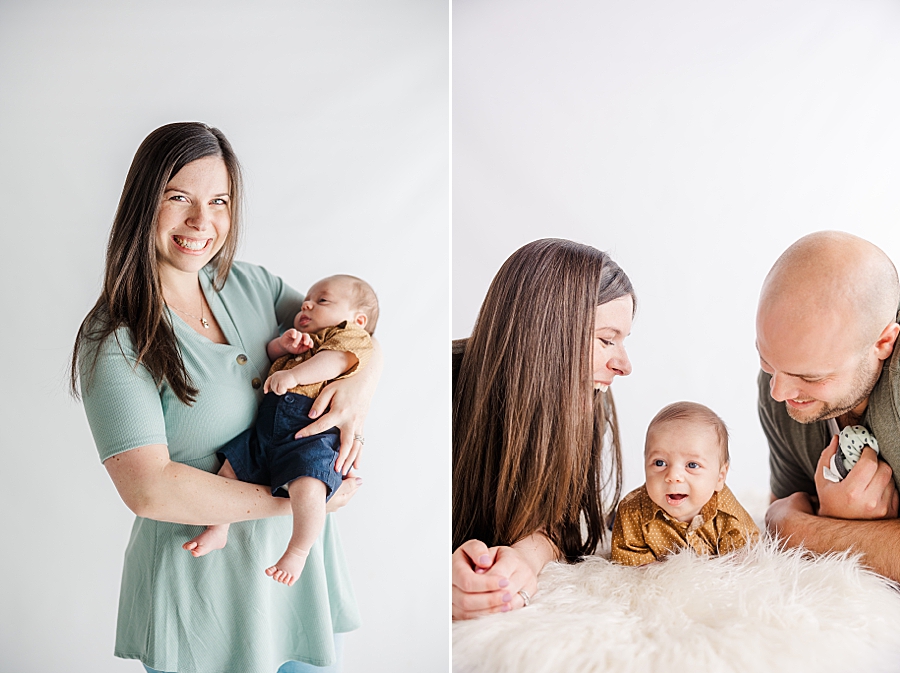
x=343 y=337
x=644 y=532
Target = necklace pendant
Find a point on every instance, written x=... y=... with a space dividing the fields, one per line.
x=205 y=324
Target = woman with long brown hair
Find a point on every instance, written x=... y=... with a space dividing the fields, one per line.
x=170 y=362
x=536 y=457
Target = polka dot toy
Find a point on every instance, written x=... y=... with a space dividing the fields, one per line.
x=851 y=442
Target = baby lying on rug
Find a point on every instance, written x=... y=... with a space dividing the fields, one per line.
x=684 y=502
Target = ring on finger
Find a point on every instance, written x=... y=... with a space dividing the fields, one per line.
x=359 y=438
x=525 y=597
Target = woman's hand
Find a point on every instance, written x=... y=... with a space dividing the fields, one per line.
x=348 y=488
x=488 y=580
x=347 y=404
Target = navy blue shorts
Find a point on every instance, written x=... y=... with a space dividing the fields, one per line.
x=268 y=454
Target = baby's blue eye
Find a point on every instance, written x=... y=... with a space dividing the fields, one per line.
x=659 y=463
x=693 y=465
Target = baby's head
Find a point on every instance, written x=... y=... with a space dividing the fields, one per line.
x=685 y=458
x=335 y=299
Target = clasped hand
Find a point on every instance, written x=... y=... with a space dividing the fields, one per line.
x=295 y=341
x=488 y=580
x=867 y=492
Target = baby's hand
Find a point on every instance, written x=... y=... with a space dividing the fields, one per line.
x=296 y=342
x=279 y=383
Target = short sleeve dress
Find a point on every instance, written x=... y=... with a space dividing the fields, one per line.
x=218 y=613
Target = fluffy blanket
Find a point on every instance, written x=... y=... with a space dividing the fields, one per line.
x=759 y=609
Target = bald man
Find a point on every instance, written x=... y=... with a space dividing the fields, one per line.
x=826 y=328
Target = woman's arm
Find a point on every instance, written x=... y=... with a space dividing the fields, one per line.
x=347 y=404
x=537 y=551
x=155 y=487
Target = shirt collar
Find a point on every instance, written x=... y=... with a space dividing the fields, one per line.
x=720 y=501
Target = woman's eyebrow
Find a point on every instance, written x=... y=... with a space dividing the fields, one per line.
x=185 y=191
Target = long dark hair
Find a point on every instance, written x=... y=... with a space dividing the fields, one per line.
x=534 y=446
x=132 y=295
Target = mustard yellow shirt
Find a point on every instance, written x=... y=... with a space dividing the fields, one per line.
x=343 y=337
x=644 y=532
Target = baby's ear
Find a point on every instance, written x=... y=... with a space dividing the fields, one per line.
x=723 y=472
x=361 y=319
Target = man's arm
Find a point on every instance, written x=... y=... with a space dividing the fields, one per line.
x=794 y=520
x=858 y=513
x=848 y=515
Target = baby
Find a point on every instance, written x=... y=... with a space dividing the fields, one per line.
x=684 y=502
x=331 y=340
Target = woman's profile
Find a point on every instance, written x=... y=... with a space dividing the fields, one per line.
x=536 y=457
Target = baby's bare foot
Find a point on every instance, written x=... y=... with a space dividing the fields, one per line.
x=289 y=566
x=214 y=537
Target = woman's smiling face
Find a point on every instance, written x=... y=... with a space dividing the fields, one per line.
x=194 y=217
x=612 y=323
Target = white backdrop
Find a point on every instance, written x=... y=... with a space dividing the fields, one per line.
x=339 y=112
x=692 y=140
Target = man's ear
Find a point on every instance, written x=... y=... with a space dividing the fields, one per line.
x=361 y=320
x=723 y=472
x=886 y=340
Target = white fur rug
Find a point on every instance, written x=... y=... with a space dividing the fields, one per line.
x=759 y=609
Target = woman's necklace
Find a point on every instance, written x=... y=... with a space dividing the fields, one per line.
x=202 y=320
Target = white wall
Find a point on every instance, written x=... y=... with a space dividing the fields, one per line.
x=694 y=141
x=339 y=112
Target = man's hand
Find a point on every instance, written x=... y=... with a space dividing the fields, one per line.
x=867 y=492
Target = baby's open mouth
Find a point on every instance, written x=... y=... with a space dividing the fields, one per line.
x=675 y=498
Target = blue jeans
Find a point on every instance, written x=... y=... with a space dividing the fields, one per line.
x=299 y=666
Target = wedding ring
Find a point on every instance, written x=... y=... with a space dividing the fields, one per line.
x=525 y=597
x=359 y=438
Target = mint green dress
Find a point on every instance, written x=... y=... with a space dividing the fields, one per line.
x=219 y=613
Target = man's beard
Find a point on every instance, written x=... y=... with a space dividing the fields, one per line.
x=862 y=388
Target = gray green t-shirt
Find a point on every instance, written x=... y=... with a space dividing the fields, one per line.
x=219 y=612
x=794 y=448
